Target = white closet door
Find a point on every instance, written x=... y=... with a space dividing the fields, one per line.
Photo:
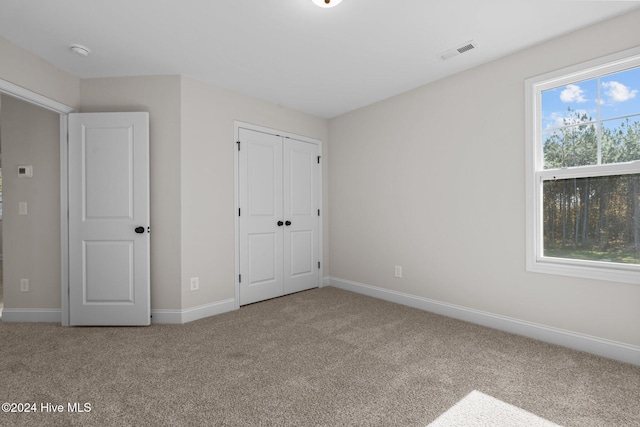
x=279 y=186
x=301 y=204
x=261 y=238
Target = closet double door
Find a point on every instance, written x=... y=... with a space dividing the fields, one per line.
x=279 y=200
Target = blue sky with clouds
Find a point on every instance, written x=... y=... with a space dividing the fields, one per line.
x=619 y=96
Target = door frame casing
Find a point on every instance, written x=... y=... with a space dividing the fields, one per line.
x=237 y=125
x=19 y=92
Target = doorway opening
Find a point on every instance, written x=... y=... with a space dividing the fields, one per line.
x=19 y=92
x=30 y=152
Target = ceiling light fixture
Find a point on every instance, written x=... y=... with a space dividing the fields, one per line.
x=80 y=50
x=327 y=3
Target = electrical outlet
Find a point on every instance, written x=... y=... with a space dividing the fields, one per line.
x=195 y=283
x=398 y=272
x=24 y=285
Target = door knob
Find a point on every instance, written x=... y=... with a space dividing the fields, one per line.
x=287 y=223
x=280 y=223
x=139 y=230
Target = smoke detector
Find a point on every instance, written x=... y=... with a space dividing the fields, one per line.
x=470 y=45
x=80 y=50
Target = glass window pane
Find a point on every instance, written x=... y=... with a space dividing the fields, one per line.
x=621 y=140
x=620 y=94
x=595 y=218
x=570 y=146
x=569 y=105
x=552 y=147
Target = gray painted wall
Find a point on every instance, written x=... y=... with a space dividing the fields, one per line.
x=31 y=136
x=434 y=180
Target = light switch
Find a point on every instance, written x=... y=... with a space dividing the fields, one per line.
x=398 y=272
x=22 y=208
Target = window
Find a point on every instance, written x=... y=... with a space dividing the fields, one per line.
x=583 y=170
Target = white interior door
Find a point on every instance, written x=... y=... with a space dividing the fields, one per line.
x=109 y=219
x=261 y=237
x=301 y=208
x=278 y=181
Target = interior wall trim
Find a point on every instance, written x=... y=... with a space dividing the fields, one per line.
x=44 y=315
x=34 y=98
x=159 y=316
x=577 y=341
x=180 y=316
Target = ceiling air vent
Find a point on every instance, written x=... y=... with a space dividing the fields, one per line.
x=458 y=50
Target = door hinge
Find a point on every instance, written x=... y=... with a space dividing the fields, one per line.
x=318 y=264
x=238 y=142
x=318 y=212
x=319 y=159
x=239 y=278
x=239 y=212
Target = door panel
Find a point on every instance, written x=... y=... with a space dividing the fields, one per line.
x=301 y=204
x=260 y=180
x=263 y=159
x=263 y=248
x=108 y=199
x=108 y=174
x=302 y=252
x=108 y=266
x=301 y=166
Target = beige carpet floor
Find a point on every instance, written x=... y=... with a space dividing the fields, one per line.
x=324 y=357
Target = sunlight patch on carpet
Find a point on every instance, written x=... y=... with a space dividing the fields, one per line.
x=480 y=410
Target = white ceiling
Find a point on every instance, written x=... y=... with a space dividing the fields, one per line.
x=324 y=62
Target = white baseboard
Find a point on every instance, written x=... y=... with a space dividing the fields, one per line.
x=157 y=316
x=587 y=343
x=46 y=315
x=194 y=313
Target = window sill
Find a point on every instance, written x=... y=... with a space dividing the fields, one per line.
x=586 y=269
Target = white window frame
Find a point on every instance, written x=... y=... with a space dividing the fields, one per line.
x=535 y=172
